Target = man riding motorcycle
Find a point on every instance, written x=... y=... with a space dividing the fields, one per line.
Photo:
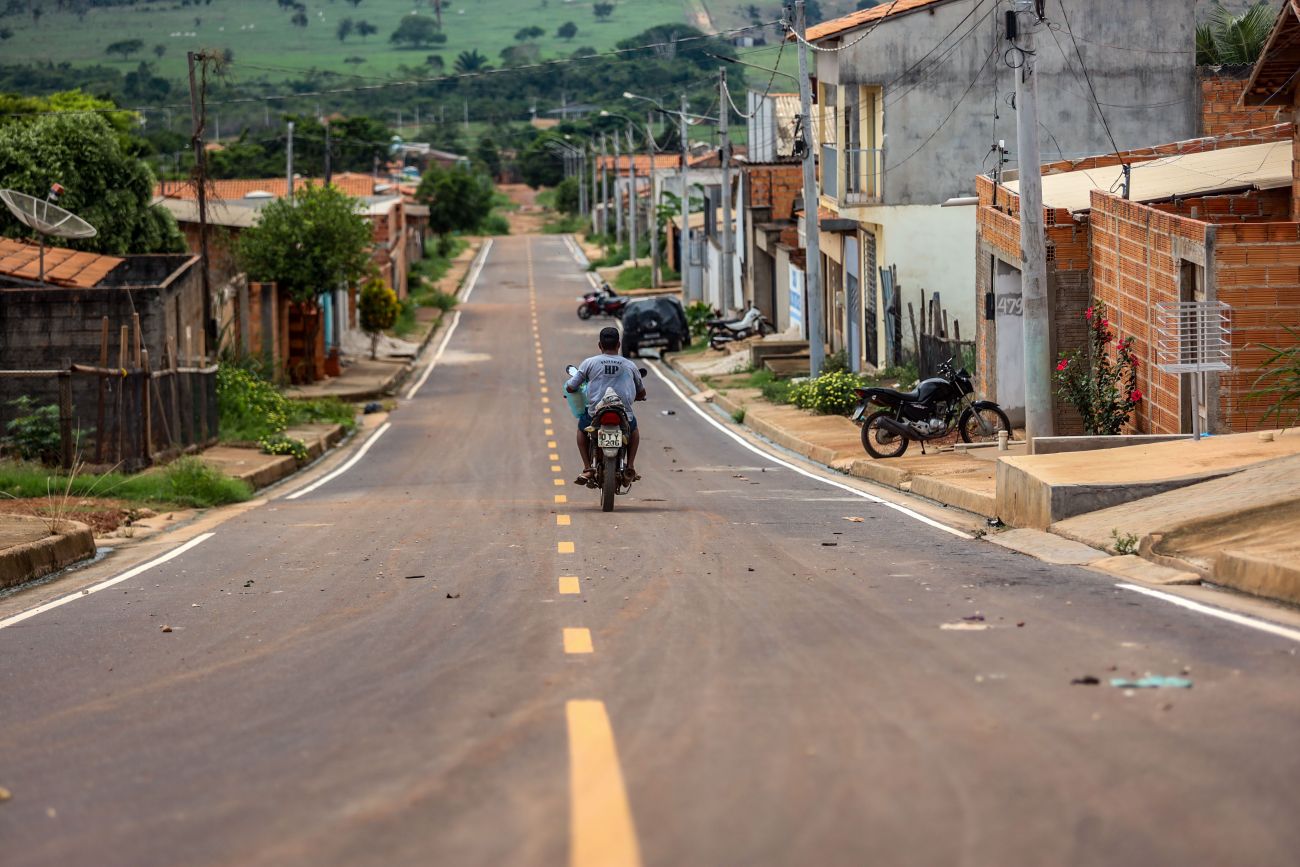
x=599 y=372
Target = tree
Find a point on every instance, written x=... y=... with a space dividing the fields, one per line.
x=299 y=19
x=5 y=33
x=567 y=31
x=104 y=183
x=309 y=245
x=415 y=31
x=520 y=55
x=355 y=3
x=539 y=165
x=437 y=12
x=159 y=50
x=435 y=61
x=524 y=34
x=1230 y=40
x=378 y=308
x=602 y=11
x=567 y=197
x=125 y=47
x=471 y=61
x=459 y=199
x=365 y=28
x=344 y=30
x=487 y=154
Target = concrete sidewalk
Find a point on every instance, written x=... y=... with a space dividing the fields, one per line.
x=32 y=547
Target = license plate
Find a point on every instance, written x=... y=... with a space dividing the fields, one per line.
x=650 y=334
x=609 y=439
x=858 y=413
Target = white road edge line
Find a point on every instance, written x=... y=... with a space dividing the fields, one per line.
x=433 y=362
x=1231 y=617
x=352 y=462
x=478 y=269
x=800 y=470
x=130 y=573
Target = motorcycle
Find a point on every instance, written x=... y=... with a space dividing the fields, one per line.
x=608 y=437
x=724 y=331
x=603 y=302
x=931 y=412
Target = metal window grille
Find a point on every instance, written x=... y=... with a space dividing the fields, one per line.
x=1193 y=336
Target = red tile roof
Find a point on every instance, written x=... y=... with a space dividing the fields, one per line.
x=642 y=162
x=63 y=267
x=854 y=20
x=351 y=183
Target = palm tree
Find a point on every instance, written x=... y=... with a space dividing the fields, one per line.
x=471 y=61
x=1233 y=40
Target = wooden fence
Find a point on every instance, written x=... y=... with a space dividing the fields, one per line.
x=140 y=415
x=936 y=342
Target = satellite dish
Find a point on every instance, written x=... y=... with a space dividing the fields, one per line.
x=46 y=218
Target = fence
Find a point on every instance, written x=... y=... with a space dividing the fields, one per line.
x=936 y=342
x=131 y=415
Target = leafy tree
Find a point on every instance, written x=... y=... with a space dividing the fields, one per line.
x=227 y=55
x=355 y=3
x=309 y=245
x=524 y=34
x=486 y=153
x=567 y=197
x=520 y=55
x=299 y=19
x=1229 y=40
x=5 y=33
x=365 y=28
x=344 y=30
x=459 y=199
x=415 y=31
x=567 y=31
x=378 y=308
x=159 y=50
x=104 y=183
x=602 y=11
x=125 y=47
x=539 y=165
x=436 y=62
x=471 y=61
x=862 y=4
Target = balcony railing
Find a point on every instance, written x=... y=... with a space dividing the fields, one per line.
x=863 y=175
x=830 y=171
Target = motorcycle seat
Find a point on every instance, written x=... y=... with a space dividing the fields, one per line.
x=900 y=396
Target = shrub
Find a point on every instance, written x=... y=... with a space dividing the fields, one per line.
x=1280 y=381
x=250 y=407
x=828 y=394
x=329 y=410
x=1102 y=386
x=279 y=444
x=836 y=362
x=377 y=308
x=698 y=314
x=33 y=434
x=495 y=224
x=191 y=482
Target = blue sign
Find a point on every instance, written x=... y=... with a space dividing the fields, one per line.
x=796 y=299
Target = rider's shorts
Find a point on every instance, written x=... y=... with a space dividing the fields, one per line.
x=584 y=421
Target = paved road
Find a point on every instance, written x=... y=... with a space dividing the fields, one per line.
x=384 y=671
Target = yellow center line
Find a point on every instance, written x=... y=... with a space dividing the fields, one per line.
x=569 y=585
x=556 y=468
x=545 y=389
x=546 y=400
x=562 y=520
x=560 y=498
x=555 y=457
x=601 y=830
x=550 y=444
x=559 y=483
x=550 y=432
x=577 y=640
x=564 y=547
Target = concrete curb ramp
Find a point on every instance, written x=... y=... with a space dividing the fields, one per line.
x=31 y=560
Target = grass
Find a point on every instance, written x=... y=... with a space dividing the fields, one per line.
x=188 y=482
x=322 y=410
x=639 y=278
x=422 y=284
x=561 y=224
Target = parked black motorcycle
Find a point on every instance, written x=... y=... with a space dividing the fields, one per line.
x=934 y=410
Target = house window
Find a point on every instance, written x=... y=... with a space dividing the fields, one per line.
x=863 y=162
x=828 y=126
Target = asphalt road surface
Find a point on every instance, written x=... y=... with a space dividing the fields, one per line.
x=448 y=655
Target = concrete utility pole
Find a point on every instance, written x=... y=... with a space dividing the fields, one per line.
x=684 y=237
x=288 y=165
x=652 y=217
x=631 y=193
x=595 y=169
x=1033 y=244
x=728 y=241
x=813 y=274
x=604 y=189
x=621 y=234
x=328 y=171
x=197 y=112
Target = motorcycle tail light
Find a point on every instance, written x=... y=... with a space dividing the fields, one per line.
x=610 y=418
x=860 y=392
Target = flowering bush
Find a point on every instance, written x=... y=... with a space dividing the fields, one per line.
x=829 y=394
x=1100 y=382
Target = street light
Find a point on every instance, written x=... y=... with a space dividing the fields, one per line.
x=631 y=161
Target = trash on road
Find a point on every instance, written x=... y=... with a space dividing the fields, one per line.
x=856 y=520
x=5 y=794
x=372 y=407
x=1086 y=680
x=453 y=595
x=830 y=544
x=413 y=577
x=668 y=412
x=963 y=626
x=166 y=629
x=1151 y=681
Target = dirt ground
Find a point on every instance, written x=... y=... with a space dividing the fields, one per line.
x=528 y=219
x=103 y=516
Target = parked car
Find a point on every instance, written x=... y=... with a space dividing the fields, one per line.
x=655 y=322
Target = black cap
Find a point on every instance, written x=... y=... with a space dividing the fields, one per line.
x=609 y=337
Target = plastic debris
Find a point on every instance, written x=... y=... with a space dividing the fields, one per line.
x=1086 y=680
x=963 y=626
x=413 y=577
x=668 y=412
x=453 y=595
x=856 y=520
x=1152 y=681
x=372 y=407
x=166 y=629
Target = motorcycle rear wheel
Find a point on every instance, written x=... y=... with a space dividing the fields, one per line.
x=609 y=484
x=880 y=442
x=971 y=429
x=584 y=312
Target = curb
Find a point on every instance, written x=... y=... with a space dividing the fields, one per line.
x=31 y=560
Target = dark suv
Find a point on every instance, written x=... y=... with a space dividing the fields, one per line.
x=659 y=321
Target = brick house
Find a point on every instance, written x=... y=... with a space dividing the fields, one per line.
x=1206 y=219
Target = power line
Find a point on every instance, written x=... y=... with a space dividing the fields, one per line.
x=925 y=76
x=848 y=45
x=1086 y=77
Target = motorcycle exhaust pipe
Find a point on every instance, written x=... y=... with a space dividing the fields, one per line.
x=897 y=429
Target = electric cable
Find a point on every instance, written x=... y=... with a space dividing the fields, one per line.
x=874 y=24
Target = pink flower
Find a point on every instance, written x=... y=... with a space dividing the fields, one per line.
x=1105 y=323
x=1062 y=365
x=1087 y=314
x=1135 y=396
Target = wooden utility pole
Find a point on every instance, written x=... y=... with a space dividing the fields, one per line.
x=812 y=307
x=1033 y=244
x=198 y=90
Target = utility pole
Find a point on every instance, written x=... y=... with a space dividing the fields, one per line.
x=652 y=217
x=288 y=165
x=620 y=234
x=465 y=103
x=591 y=196
x=631 y=193
x=1033 y=244
x=684 y=236
x=813 y=273
x=604 y=190
x=197 y=110
x=327 y=154
x=728 y=230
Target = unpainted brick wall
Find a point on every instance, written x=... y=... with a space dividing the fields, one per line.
x=776 y=187
x=1220 y=111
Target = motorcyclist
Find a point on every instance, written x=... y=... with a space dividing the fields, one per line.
x=599 y=372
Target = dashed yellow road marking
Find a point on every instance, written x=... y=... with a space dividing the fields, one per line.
x=550 y=432
x=556 y=468
x=562 y=520
x=569 y=585
x=564 y=547
x=545 y=389
x=554 y=457
x=559 y=483
x=546 y=400
x=577 y=640
x=601 y=830
x=560 y=498
x=550 y=444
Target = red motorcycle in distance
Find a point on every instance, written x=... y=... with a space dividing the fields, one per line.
x=605 y=302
